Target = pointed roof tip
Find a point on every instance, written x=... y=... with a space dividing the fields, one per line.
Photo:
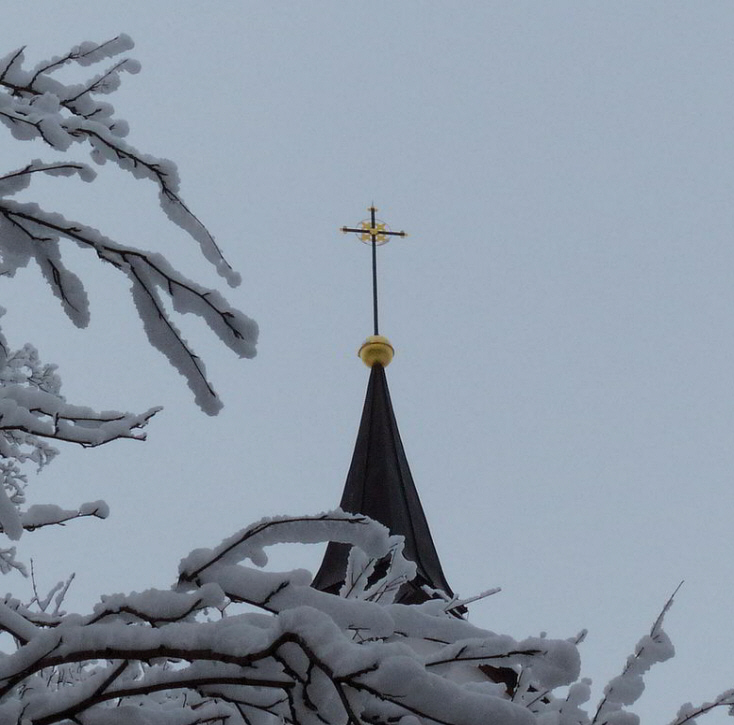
x=380 y=485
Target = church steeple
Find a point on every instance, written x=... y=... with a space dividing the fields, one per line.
x=379 y=483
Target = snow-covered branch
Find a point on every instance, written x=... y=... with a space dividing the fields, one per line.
x=40 y=515
x=626 y=688
x=42 y=414
x=32 y=412
x=194 y=654
x=306 y=657
x=33 y=104
x=688 y=712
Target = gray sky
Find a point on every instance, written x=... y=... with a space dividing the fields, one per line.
x=561 y=312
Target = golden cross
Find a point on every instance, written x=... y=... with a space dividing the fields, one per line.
x=376 y=233
x=372 y=230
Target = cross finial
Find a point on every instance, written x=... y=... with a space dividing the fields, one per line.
x=376 y=233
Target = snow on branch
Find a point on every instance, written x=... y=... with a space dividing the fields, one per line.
x=195 y=654
x=626 y=688
x=249 y=543
x=35 y=105
x=307 y=657
x=38 y=413
x=33 y=412
x=688 y=713
x=38 y=106
x=40 y=515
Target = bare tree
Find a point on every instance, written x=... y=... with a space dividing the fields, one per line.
x=33 y=412
x=34 y=105
x=189 y=656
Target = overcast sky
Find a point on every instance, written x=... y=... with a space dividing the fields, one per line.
x=562 y=310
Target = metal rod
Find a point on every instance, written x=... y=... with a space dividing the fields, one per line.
x=374 y=283
x=373 y=222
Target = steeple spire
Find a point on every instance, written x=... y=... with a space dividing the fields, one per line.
x=379 y=483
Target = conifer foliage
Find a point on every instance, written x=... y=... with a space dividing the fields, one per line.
x=230 y=643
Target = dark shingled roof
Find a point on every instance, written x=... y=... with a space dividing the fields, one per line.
x=379 y=485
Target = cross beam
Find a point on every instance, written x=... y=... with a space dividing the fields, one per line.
x=376 y=234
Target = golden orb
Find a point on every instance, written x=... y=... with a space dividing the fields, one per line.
x=376 y=350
